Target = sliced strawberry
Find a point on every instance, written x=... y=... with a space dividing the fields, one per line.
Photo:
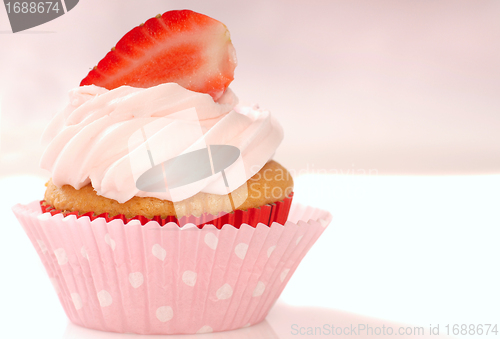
x=185 y=47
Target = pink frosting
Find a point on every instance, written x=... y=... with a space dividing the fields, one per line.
x=91 y=140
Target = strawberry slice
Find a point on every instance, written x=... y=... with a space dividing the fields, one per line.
x=185 y=47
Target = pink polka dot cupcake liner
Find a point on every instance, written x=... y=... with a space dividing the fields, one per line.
x=165 y=279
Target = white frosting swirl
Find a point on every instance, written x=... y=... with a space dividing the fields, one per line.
x=90 y=140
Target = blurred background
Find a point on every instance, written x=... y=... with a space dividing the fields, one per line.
x=399 y=101
x=400 y=87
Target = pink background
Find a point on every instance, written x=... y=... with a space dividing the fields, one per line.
x=390 y=86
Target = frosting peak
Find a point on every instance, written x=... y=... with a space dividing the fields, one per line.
x=103 y=137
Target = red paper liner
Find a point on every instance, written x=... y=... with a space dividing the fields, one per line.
x=267 y=214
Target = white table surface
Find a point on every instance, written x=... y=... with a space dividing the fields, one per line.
x=413 y=250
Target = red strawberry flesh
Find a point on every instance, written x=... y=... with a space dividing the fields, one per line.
x=185 y=47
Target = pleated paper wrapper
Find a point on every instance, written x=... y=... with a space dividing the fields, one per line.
x=165 y=279
x=266 y=214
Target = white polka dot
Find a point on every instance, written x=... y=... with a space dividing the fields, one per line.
x=189 y=278
x=84 y=253
x=241 y=250
x=105 y=298
x=284 y=274
x=77 y=300
x=136 y=279
x=259 y=289
x=61 y=256
x=211 y=240
x=42 y=246
x=109 y=241
x=159 y=252
x=270 y=251
x=205 y=329
x=164 y=313
x=323 y=222
x=298 y=240
x=225 y=292
x=247 y=325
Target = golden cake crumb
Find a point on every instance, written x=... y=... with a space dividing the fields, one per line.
x=271 y=184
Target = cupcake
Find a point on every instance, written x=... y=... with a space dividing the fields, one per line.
x=165 y=212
